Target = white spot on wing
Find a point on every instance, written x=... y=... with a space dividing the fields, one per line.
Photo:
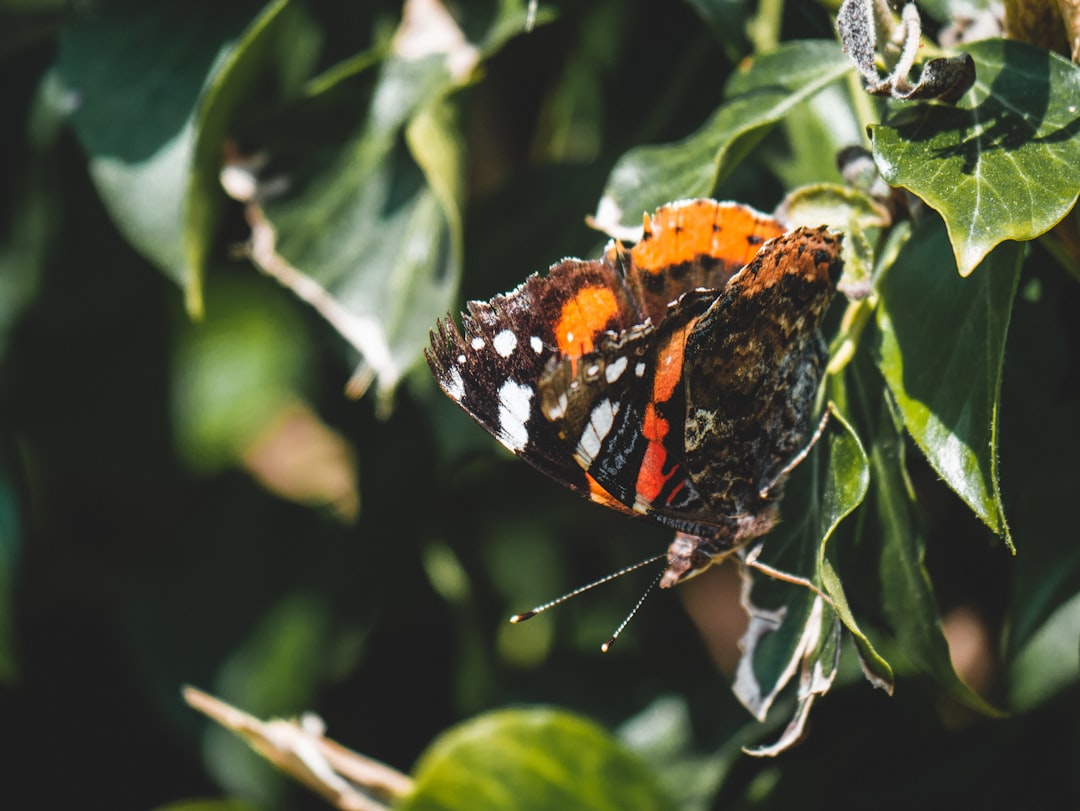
x=515 y=405
x=477 y=343
x=558 y=411
x=536 y=344
x=639 y=370
x=596 y=429
x=505 y=343
x=614 y=370
x=455 y=386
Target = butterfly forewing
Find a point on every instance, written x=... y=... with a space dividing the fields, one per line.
x=492 y=366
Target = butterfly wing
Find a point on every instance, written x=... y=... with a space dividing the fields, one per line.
x=754 y=363
x=691 y=245
x=491 y=368
x=622 y=408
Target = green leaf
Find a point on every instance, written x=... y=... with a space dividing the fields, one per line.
x=137 y=75
x=759 y=95
x=1048 y=572
x=663 y=735
x=234 y=372
x=803 y=149
x=727 y=21
x=370 y=229
x=277 y=41
x=846 y=487
x=35 y=195
x=381 y=241
x=531 y=759
x=791 y=629
x=1040 y=670
x=847 y=210
x=1038 y=455
x=942 y=343
x=831 y=204
x=903 y=590
x=1005 y=162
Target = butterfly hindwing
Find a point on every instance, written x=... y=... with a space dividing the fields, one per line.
x=754 y=363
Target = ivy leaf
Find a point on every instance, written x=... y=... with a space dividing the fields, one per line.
x=847 y=210
x=817 y=660
x=942 y=344
x=845 y=489
x=1005 y=162
x=759 y=95
x=136 y=78
x=903 y=589
x=359 y=209
x=1038 y=457
x=279 y=41
x=529 y=760
x=792 y=630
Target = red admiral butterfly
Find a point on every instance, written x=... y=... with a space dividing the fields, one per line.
x=675 y=379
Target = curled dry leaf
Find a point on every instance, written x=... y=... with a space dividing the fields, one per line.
x=346 y=779
x=867 y=27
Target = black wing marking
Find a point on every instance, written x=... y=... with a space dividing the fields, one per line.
x=492 y=367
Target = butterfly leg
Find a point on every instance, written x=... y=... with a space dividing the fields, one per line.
x=750 y=560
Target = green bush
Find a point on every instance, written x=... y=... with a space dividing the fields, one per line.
x=220 y=219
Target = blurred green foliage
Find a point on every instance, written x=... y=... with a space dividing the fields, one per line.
x=187 y=496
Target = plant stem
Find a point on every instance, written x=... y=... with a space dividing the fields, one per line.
x=764 y=29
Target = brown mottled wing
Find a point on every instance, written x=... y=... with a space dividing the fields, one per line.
x=753 y=365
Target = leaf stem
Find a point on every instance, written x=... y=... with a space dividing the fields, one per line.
x=862 y=104
x=854 y=321
x=764 y=29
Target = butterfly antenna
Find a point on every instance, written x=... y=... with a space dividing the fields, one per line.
x=582 y=589
x=607 y=645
